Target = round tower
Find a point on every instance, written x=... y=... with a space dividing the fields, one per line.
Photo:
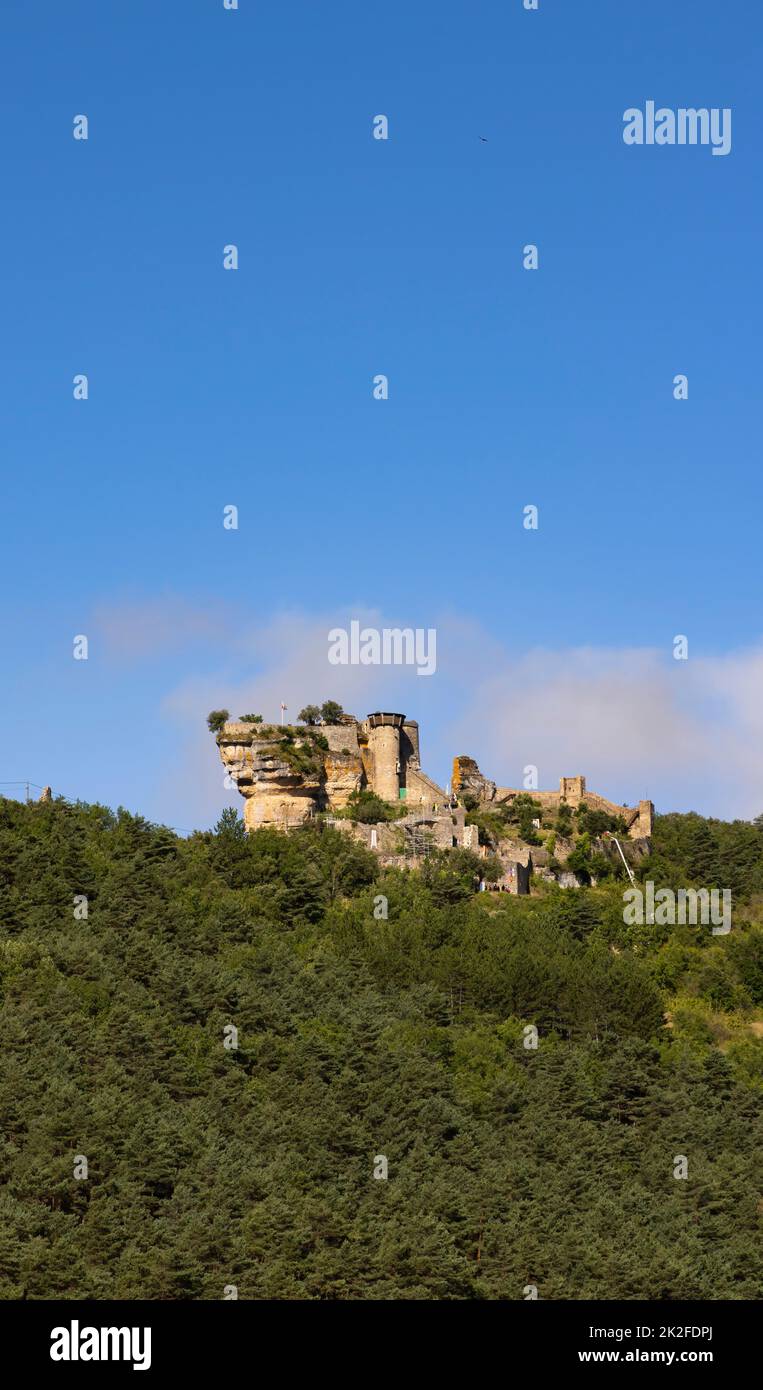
x=384 y=745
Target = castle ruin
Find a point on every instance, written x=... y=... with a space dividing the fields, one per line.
x=287 y=774
x=468 y=780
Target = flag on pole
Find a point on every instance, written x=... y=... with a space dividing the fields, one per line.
x=283 y=708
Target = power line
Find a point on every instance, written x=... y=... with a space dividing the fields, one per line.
x=24 y=783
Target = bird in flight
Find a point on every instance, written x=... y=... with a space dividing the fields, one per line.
x=483 y=139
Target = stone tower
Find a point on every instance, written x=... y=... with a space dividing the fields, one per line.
x=410 y=744
x=384 y=746
x=572 y=790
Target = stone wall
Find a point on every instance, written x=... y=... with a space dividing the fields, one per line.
x=412 y=834
x=515 y=878
x=381 y=754
x=421 y=791
x=639 y=820
x=341 y=737
x=283 y=787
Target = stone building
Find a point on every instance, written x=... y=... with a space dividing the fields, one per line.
x=287 y=774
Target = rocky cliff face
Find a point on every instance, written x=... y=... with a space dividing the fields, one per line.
x=286 y=774
x=468 y=780
x=344 y=775
x=281 y=777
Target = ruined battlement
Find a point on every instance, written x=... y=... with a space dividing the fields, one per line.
x=573 y=792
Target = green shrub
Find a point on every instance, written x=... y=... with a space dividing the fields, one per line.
x=369 y=809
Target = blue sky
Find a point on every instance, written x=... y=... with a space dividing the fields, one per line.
x=507 y=387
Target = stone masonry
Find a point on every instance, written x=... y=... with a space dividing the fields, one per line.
x=467 y=778
x=287 y=774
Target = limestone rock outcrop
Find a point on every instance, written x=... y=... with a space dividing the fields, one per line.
x=468 y=780
x=282 y=778
x=344 y=775
x=286 y=773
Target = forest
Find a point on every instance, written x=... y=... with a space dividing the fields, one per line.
x=209 y=1043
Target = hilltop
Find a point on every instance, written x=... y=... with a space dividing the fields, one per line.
x=365 y=777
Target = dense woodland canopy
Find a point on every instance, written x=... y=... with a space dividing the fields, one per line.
x=359 y=1037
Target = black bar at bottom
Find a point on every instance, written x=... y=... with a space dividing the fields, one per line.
x=364 y=1341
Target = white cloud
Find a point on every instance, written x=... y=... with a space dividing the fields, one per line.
x=634 y=721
